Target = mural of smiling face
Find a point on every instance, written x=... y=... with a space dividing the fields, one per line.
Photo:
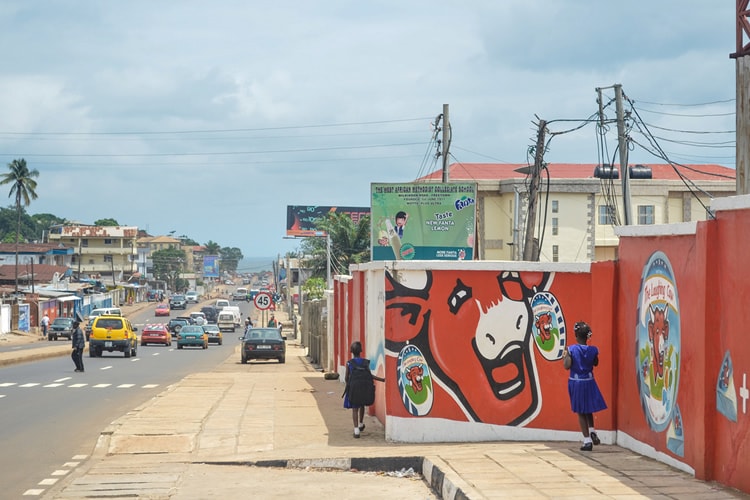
x=475 y=333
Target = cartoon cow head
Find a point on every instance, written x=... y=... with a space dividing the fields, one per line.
x=658 y=334
x=543 y=324
x=476 y=336
x=414 y=375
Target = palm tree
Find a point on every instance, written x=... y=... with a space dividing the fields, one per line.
x=23 y=186
x=350 y=243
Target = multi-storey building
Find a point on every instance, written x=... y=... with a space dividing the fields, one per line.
x=101 y=251
x=147 y=245
x=579 y=205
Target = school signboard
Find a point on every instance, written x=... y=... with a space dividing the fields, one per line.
x=423 y=221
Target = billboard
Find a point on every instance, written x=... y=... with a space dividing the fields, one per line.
x=423 y=221
x=301 y=219
x=211 y=266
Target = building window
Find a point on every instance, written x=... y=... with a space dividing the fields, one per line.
x=107 y=258
x=555 y=253
x=555 y=226
x=607 y=215
x=555 y=206
x=107 y=241
x=645 y=214
x=84 y=242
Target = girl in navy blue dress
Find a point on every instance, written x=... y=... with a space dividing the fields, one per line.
x=585 y=397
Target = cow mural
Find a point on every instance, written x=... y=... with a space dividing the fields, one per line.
x=464 y=342
x=658 y=342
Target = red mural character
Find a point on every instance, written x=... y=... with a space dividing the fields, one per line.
x=658 y=333
x=476 y=337
x=415 y=377
x=544 y=325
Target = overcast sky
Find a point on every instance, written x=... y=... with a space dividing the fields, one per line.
x=209 y=118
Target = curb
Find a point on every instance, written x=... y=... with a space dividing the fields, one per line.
x=432 y=469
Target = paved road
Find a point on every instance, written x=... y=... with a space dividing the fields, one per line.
x=50 y=416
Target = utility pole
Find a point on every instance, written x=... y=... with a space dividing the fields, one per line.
x=528 y=246
x=742 y=68
x=623 y=148
x=446 y=141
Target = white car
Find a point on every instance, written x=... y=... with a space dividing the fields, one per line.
x=192 y=296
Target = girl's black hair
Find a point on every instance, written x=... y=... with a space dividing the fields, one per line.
x=582 y=329
x=356 y=348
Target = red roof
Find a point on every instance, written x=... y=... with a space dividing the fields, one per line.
x=501 y=171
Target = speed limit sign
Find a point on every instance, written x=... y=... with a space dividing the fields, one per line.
x=263 y=301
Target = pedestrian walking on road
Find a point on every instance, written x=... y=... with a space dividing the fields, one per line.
x=45 y=324
x=585 y=397
x=360 y=388
x=79 y=342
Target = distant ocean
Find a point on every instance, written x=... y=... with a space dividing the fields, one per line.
x=255 y=264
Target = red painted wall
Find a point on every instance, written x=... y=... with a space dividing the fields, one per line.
x=669 y=317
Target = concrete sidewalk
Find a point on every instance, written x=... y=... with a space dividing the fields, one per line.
x=280 y=431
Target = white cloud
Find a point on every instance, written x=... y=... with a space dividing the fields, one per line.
x=153 y=90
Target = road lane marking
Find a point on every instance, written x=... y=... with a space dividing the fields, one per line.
x=99 y=386
x=48 y=482
x=77 y=385
x=135 y=359
x=2 y=395
x=105 y=367
x=62 y=379
x=53 y=385
x=60 y=472
x=71 y=464
x=8 y=384
x=33 y=493
x=80 y=457
x=30 y=384
x=150 y=386
x=125 y=386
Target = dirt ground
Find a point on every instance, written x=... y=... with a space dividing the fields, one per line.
x=18 y=338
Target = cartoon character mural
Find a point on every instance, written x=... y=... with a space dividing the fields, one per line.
x=464 y=342
x=658 y=347
x=726 y=394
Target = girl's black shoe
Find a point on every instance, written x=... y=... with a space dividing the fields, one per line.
x=595 y=439
x=587 y=447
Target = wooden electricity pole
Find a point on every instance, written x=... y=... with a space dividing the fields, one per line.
x=742 y=65
x=530 y=250
x=446 y=141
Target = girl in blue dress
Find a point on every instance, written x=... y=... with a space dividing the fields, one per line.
x=585 y=397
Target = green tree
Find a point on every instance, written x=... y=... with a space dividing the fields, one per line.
x=230 y=259
x=106 y=222
x=314 y=288
x=168 y=265
x=350 y=244
x=23 y=187
x=212 y=248
x=42 y=223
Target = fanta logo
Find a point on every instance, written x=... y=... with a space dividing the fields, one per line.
x=464 y=202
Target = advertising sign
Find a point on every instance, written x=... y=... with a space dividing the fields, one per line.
x=423 y=221
x=301 y=219
x=210 y=266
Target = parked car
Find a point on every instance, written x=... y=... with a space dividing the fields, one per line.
x=162 y=310
x=60 y=327
x=192 y=335
x=176 y=324
x=156 y=334
x=192 y=296
x=178 y=302
x=113 y=333
x=263 y=343
x=214 y=334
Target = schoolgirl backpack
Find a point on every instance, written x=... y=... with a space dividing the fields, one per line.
x=361 y=383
